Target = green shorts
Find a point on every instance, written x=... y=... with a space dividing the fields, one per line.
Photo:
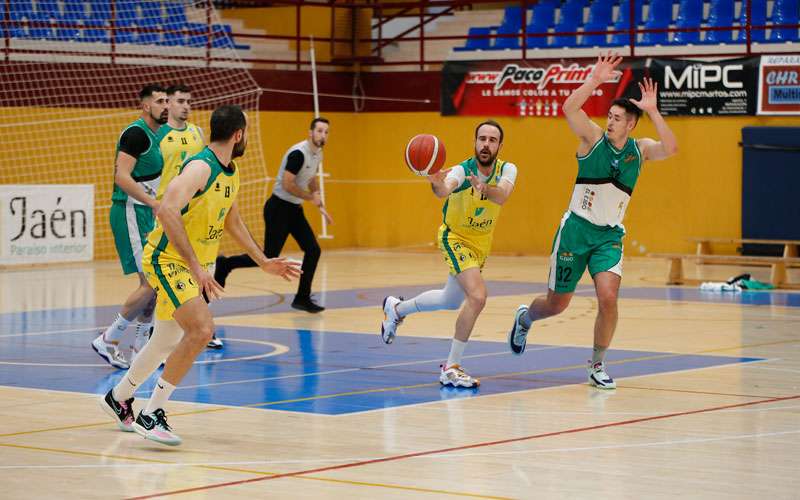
x=130 y=224
x=579 y=243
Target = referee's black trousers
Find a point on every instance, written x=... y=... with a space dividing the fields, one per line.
x=281 y=219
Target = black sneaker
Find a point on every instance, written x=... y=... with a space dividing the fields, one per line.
x=214 y=343
x=120 y=411
x=221 y=270
x=307 y=305
x=155 y=428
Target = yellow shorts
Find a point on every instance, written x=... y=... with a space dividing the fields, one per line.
x=459 y=253
x=173 y=284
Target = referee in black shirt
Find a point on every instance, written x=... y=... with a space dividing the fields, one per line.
x=283 y=214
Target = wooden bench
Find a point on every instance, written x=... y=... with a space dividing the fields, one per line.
x=790 y=247
x=778 y=265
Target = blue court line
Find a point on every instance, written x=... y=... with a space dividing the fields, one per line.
x=85 y=317
x=331 y=373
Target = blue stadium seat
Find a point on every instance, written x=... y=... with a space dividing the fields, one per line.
x=196 y=35
x=690 y=14
x=569 y=17
x=21 y=8
x=176 y=14
x=512 y=18
x=784 y=12
x=43 y=31
x=658 y=17
x=594 y=40
x=123 y=32
x=477 y=43
x=759 y=13
x=544 y=14
x=623 y=21
x=74 y=10
x=600 y=12
x=506 y=42
x=720 y=15
x=223 y=38
x=95 y=30
x=100 y=10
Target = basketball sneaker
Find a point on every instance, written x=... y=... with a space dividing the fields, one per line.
x=455 y=376
x=155 y=428
x=518 y=336
x=120 y=411
x=598 y=376
x=110 y=353
x=214 y=343
x=391 y=320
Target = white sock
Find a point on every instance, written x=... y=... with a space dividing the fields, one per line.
x=117 y=329
x=142 y=330
x=166 y=336
x=598 y=354
x=124 y=390
x=450 y=297
x=161 y=394
x=456 y=351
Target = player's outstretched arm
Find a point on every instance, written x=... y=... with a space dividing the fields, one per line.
x=442 y=183
x=498 y=194
x=193 y=178
x=588 y=131
x=122 y=178
x=236 y=227
x=668 y=144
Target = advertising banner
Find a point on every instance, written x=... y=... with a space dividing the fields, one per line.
x=779 y=85
x=685 y=87
x=530 y=88
x=539 y=88
x=46 y=223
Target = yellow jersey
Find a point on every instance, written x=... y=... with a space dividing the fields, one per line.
x=469 y=215
x=203 y=217
x=176 y=145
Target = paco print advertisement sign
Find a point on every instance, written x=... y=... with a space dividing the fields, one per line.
x=530 y=88
x=46 y=223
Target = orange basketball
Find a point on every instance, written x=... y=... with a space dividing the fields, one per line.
x=425 y=154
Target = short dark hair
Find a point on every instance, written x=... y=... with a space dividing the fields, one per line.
x=630 y=108
x=493 y=124
x=319 y=119
x=225 y=121
x=149 y=90
x=178 y=87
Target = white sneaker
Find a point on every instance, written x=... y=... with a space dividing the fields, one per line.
x=598 y=376
x=391 y=319
x=518 y=336
x=455 y=376
x=110 y=353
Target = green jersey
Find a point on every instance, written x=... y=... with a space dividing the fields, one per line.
x=149 y=163
x=606 y=178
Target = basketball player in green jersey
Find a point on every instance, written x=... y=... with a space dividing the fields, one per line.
x=137 y=171
x=474 y=190
x=591 y=231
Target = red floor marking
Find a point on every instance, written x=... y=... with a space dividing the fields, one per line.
x=465 y=447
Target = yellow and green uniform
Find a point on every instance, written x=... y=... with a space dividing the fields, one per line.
x=204 y=222
x=176 y=145
x=469 y=219
x=130 y=219
x=591 y=231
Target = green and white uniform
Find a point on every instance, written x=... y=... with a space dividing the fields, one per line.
x=132 y=220
x=591 y=231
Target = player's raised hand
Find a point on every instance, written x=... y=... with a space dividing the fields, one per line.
x=280 y=266
x=605 y=69
x=649 y=101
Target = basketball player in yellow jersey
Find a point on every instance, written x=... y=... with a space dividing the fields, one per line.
x=475 y=190
x=197 y=207
x=181 y=139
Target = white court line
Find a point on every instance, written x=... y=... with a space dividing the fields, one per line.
x=439 y=456
x=347 y=370
x=51 y=332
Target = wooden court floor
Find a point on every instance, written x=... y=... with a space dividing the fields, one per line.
x=315 y=406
